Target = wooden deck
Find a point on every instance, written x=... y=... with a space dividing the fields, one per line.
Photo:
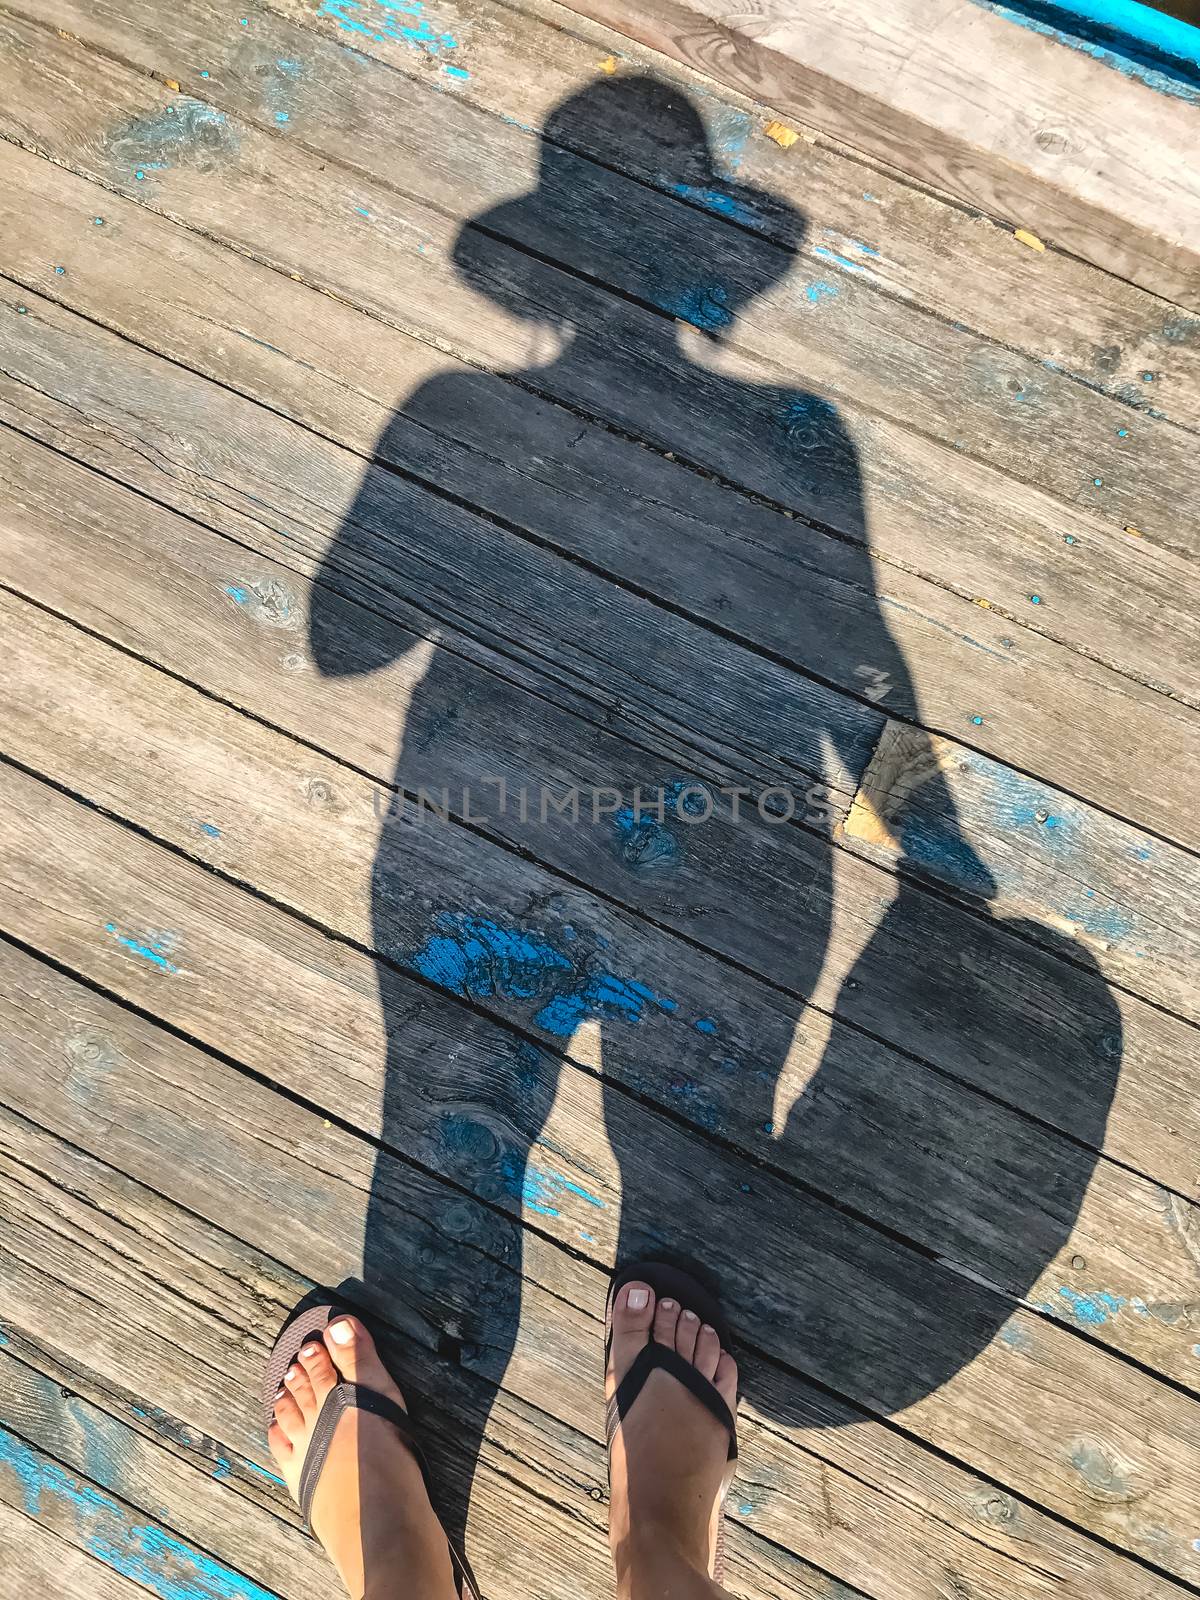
x=457 y=398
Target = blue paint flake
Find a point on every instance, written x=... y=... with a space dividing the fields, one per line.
x=455 y=72
x=873 y=198
x=715 y=200
x=382 y=19
x=282 y=116
x=820 y=290
x=842 y=261
x=154 y=951
x=362 y=211
x=263 y=1473
x=143 y=1552
x=1091 y=1310
x=1122 y=433
x=238 y=595
x=705 y=1025
x=210 y=830
x=538 y=1188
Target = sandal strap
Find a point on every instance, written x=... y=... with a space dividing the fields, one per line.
x=653 y=1355
x=357 y=1397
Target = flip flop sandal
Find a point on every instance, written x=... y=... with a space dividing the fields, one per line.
x=673 y=1283
x=308 y=1322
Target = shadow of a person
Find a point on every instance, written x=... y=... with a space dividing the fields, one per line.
x=873 y=1130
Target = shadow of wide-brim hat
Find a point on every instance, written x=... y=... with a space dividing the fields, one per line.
x=616 y=160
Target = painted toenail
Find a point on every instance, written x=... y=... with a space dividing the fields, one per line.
x=667 y=1305
x=689 y=1316
x=279 y=1392
x=290 y=1374
x=639 y=1299
x=341 y=1332
x=707 y=1329
x=309 y=1351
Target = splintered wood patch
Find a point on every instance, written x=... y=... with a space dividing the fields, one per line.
x=905 y=758
x=781 y=133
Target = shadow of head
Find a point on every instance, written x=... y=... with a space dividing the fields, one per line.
x=598 y=208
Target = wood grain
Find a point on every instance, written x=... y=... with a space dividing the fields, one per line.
x=179 y=1247
x=1086 y=157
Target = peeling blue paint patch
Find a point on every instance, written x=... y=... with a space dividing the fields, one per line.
x=539 y=1189
x=698 y=1107
x=455 y=72
x=476 y=956
x=716 y=201
x=143 y=1552
x=384 y=19
x=238 y=595
x=263 y=1473
x=872 y=198
x=705 y=1025
x=209 y=829
x=586 y=1237
x=842 y=261
x=705 y=306
x=362 y=211
x=155 y=951
x=1091 y=1310
x=820 y=290
x=221 y=1469
x=745 y=1509
x=1110 y=922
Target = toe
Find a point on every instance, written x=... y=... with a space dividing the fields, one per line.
x=708 y=1352
x=279 y=1445
x=633 y=1309
x=666 y=1320
x=322 y=1373
x=299 y=1386
x=725 y=1380
x=686 y=1334
x=289 y=1417
x=356 y=1358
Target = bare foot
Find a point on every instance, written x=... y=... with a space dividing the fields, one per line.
x=669 y=1455
x=371 y=1510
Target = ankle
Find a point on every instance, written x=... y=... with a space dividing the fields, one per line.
x=659 y=1557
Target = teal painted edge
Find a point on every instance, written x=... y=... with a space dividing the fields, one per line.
x=1133 y=39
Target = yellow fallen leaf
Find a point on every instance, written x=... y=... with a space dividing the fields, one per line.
x=986 y=604
x=609 y=65
x=1031 y=239
x=783 y=136
x=1136 y=532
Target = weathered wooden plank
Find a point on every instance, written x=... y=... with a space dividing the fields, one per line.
x=788 y=1487
x=1089 y=157
x=1026 y=693
x=163 y=589
x=36 y=1561
x=1033 y=1042
x=197 y=1499
x=929 y=503
x=143 y=1551
x=553 y=1193
x=1059 y=308
x=849 y=342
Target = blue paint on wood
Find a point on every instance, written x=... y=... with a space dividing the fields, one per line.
x=1158 y=50
x=141 y=1551
x=844 y=262
x=456 y=72
x=1091 y=1310
x=705 y=306
x=715 y=200
x=154 y=951
x=210 y=830
x=539 y=1189
x=820 y=290
x=705 y=1025
x=386 y=19
x=238 y=595
x=263 y=1473
x=477 y=957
